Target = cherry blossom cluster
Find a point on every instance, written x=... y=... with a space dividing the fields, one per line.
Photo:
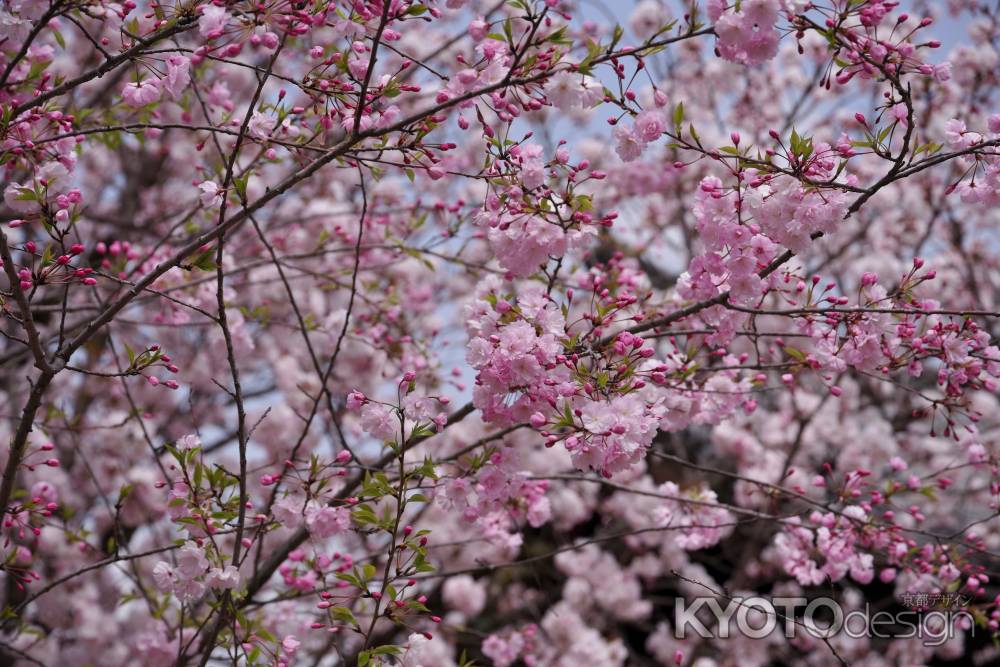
x=493 y=331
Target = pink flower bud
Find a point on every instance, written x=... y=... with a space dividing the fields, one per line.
x=355 y=400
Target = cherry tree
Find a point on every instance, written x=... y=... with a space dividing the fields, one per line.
x=489 y=332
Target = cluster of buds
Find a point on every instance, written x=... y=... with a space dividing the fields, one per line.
x=53 y=270
x=41 y=453
x=152 y=357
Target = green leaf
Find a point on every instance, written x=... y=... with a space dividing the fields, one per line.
x=204 y=261
x=794 y=353
x=616 y=37
x=26 y=194
x=240 y=183
x=344 y=615
x=37 y=68
x=349 y=578
x=124 y=491
x=559 y=37
x=363 y=515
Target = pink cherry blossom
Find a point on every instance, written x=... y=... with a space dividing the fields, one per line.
x=435 y=333
x=141 y=93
